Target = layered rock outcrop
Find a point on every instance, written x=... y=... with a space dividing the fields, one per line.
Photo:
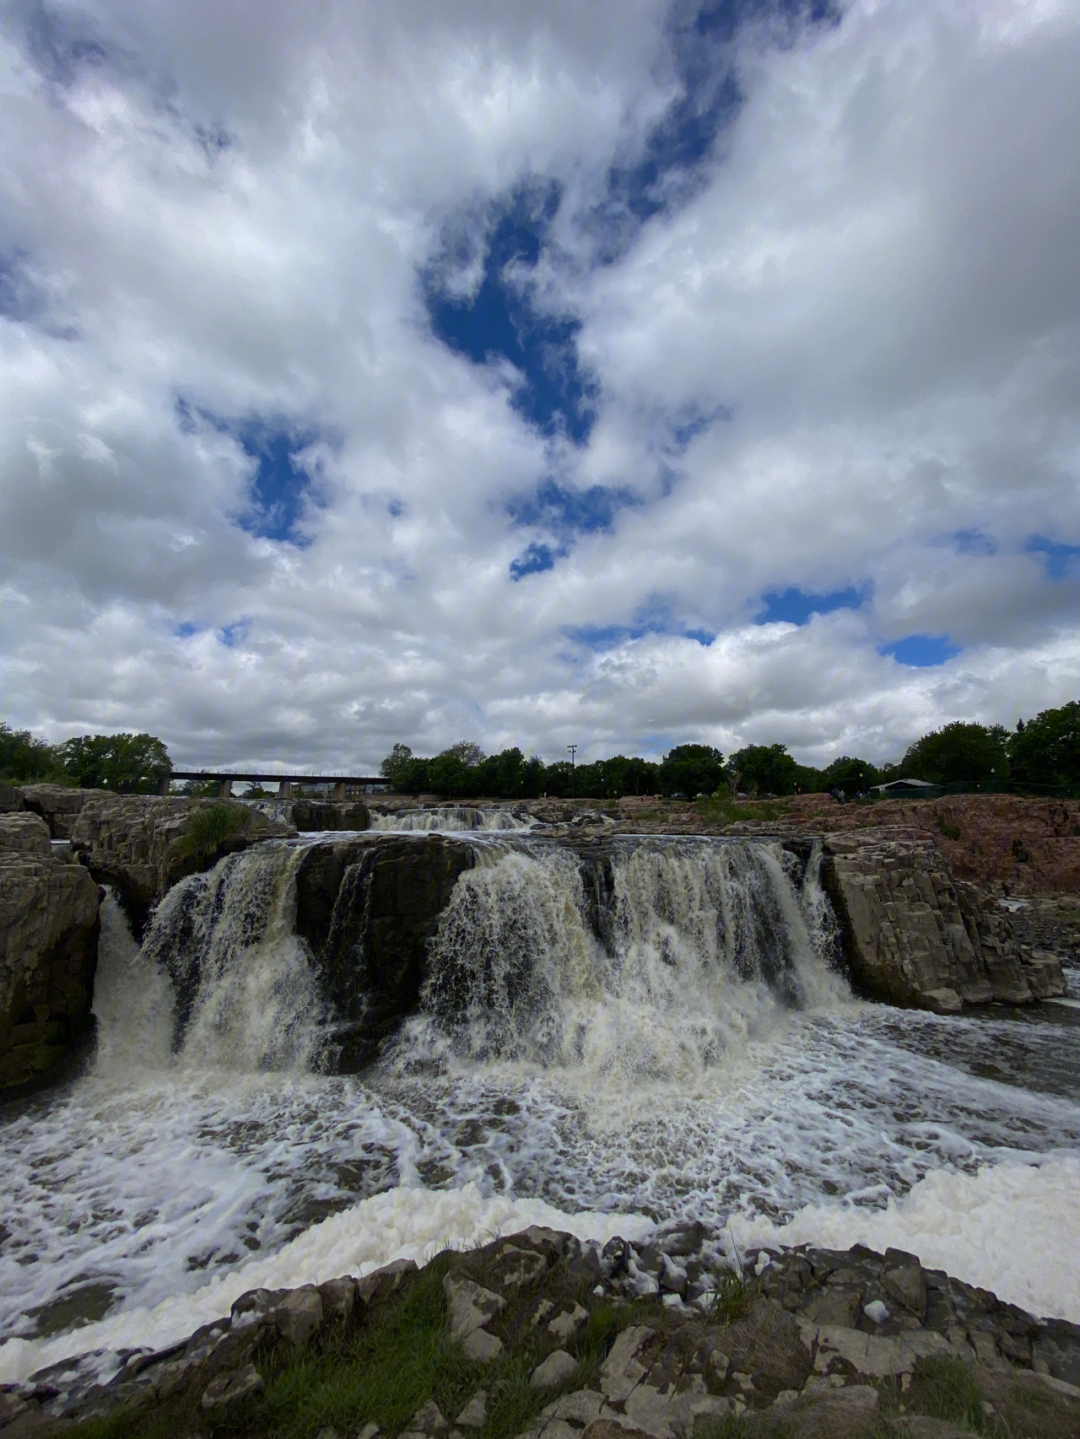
x=59 y=805
x=48 y=951
x=913 y=935
x=130 y=843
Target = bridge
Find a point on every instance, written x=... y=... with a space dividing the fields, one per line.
x=284 y=782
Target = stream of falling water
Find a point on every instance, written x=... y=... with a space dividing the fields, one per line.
x=691 y=1053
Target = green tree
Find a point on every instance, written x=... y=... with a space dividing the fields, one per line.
x=959 y=753
x=22 y=757
x=850 y=774
x=394 y=765
x=1046 y=750
x=764 y=769
x=455 y=770
x=691 y=769
x=125 y=763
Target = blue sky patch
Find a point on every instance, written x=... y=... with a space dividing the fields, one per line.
x=567 y=510
x=185 y=630
x=974 y=542
x=922 y=651
x=653 y=618
x=703 y=40
x=794 y=606
x=534 y=560
x=1062 y=561
x=280 y=489
x=234 y=634
x=502 y=320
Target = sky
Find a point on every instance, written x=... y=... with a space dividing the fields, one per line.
x=612 y=372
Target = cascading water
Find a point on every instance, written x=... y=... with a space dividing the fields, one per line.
x=245 y=994
x=626 y=1028
x=452 y=819
x=691 y=947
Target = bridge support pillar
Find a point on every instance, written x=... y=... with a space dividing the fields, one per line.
x=224 y=788
x=339 y=790
x=163 y=784
x=284 y=789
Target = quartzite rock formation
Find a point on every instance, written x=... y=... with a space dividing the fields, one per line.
x=636 y=1341
x=128 y=842
x=48 y=951
x=914 y=936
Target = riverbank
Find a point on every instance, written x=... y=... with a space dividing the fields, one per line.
x=541 y=1336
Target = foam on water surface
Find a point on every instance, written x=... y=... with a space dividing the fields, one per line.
x=403 y=1223
x=1011 y=1228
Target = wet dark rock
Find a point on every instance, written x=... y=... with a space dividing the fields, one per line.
x=319 y=815
x=368 y=909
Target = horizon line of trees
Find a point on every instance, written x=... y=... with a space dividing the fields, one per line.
x=1041 y=753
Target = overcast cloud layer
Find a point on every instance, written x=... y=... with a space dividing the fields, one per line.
x=621 y=374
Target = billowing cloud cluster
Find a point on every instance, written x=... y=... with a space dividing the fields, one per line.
x=621 y=374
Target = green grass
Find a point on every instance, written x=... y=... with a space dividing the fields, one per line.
x=947 y=1389
x=724 y=810
x=386 y=1368
x=207 y=830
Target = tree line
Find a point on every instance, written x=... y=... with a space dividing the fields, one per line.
x=1041 y=754
x=124 y=763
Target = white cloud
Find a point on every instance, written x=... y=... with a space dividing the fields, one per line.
x=877 y=279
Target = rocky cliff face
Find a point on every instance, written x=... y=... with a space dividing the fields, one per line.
x=915 y=936
x=59 y=805
x=367 y=909
x=128 y=842
x=48 y=951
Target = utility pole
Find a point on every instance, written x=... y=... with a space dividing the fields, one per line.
x=573 y=751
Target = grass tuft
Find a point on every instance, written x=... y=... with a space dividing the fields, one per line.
x=207 y=830
x=948 y=1390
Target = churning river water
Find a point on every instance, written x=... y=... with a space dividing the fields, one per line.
x=705 y=1060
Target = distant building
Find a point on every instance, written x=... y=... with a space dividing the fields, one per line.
x=904 y=786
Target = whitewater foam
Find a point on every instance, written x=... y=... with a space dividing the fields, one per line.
x=403 y=1223
x=1011 y=1228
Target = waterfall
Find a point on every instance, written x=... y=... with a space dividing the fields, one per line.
x=640 y=956
x=648 y=959
x=452 y=819
x=245 y=994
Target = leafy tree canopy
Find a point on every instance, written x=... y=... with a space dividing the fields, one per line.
x=850 y=774
x=126 y=763
x=22 y=757
x=764 y=769
x=691 y=769
x=1046 y=750
x=959 y=753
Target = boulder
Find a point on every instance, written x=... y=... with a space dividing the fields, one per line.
x=913 y=935
x=322 y=815
x=48 y=951
x=129 y=842
x=11 y=799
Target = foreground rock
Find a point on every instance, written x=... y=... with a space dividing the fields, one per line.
x=559 y=1340
x=130 y=843
x=48 y=951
